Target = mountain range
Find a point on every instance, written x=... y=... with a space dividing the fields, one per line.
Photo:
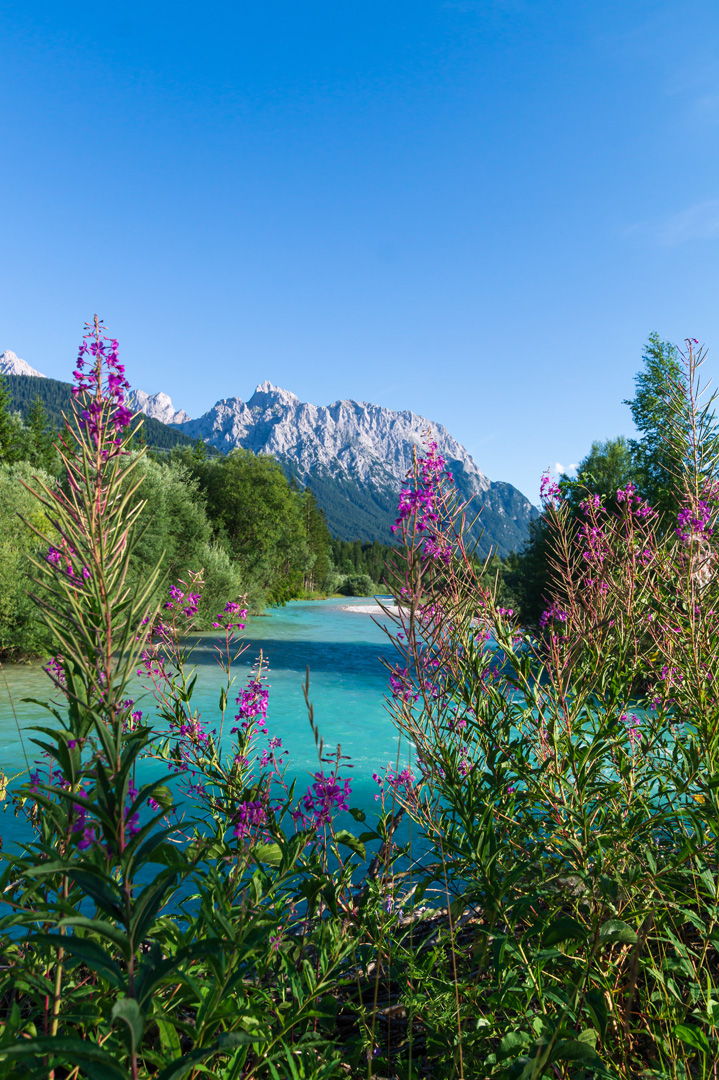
x=353 y=455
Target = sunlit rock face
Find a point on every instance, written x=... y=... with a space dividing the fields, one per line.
x=11 y=364
x=355 y=456
x=158 y=406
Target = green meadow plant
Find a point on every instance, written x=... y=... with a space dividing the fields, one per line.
x=565 y=786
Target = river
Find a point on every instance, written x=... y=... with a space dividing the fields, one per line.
x=337 y=639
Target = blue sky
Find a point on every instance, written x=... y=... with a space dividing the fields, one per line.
x=474 y=210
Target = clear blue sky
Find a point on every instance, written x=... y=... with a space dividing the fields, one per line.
x=474 y=210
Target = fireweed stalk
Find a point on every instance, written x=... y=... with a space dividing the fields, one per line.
x=137 y=943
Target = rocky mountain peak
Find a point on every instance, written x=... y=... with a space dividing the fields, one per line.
x=159 y=406
x=11 y=364
x=355 y=455
x=268 y=395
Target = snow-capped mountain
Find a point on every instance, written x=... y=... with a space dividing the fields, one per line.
x=158 y=406
x=11 y=364
x=355 y=456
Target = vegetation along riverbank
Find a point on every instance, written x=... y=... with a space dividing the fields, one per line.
x=182 y=908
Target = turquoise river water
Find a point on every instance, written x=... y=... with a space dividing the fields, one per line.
x=337 y=639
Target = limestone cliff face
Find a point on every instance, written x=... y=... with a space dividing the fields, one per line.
x=355 y=456
x=158 y=406
x=11 y=364
x=365 y=441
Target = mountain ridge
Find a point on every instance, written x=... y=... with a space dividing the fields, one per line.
x=354 y=456
x=11 y=364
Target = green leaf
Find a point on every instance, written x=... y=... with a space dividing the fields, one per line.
x=169 y=1039
x=343 y=836
x=96 y=1062
x=574 y=1050
x=693 y=1036
x=225 y=1044
x=513 y=1043
x=268 y=853
x=563 y=929
x=97 y=926
x=616 y=930
x=128 y=1011
x=101 y=888
x=88 y=951
x=149 y=902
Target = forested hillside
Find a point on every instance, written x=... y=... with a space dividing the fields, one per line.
x=56 y=396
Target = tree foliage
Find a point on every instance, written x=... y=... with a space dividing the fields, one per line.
x=22 y=632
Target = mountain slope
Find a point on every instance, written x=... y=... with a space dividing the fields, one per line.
x=354 y=456
x=11 y=364
x=158 y=406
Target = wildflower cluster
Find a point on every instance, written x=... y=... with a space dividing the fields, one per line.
x=549 y=491
x=326 y=796
x=420 y=501
x=100 y=381
x=694 y=521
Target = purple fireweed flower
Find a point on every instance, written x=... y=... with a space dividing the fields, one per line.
x=421 y=501
x=694 y=521
x=252 y=702
x=553 y=614
x=549 y=491
x=326 y=795
x=250 y=815
x=87 y=839
x=401 y=685
x=633 y=729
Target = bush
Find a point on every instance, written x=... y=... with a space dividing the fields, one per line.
x=358 y=585
x=176 y=537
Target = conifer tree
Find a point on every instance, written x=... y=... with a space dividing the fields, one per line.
x=11 y=430
x=41 y=448
x=656 y=411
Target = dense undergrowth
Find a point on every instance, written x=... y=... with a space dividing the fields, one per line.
x=181 y=908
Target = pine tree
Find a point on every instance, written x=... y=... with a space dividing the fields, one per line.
x=11 y=430
x=199 y=452
x=41 y=442
x=656 y=410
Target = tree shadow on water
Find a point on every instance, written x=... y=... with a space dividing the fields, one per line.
x=342 y=657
